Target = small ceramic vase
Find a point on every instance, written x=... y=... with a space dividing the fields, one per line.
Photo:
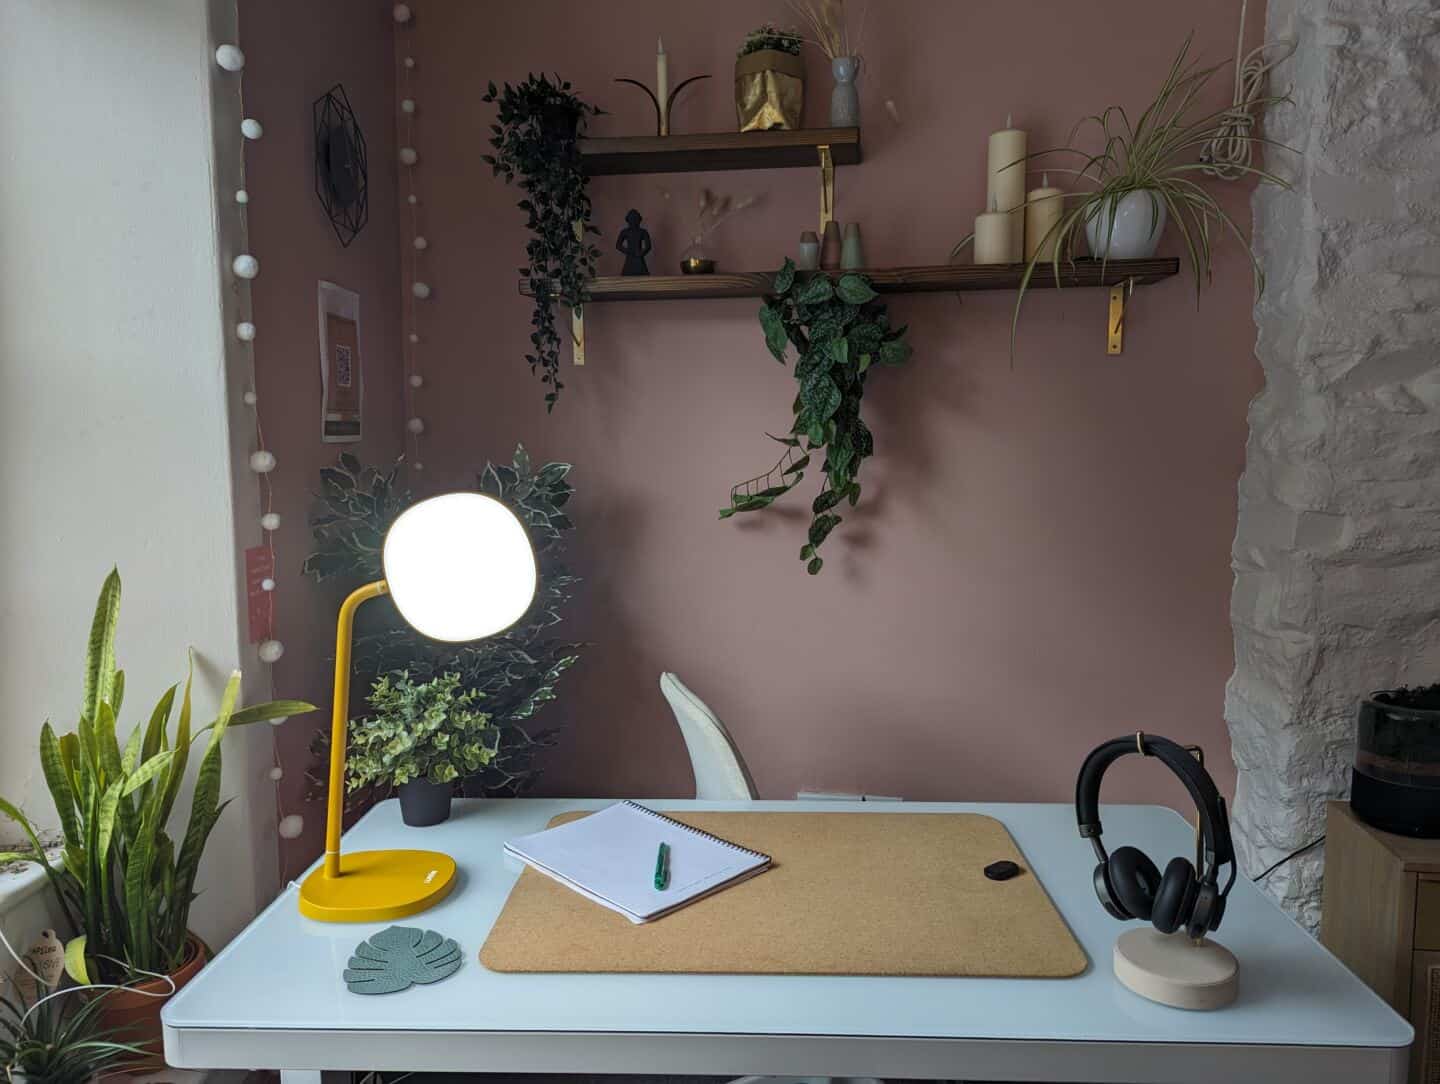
x=1138 y=221
x=845 y=98
x=830 y=247
x=809 y=258
x=852 y=252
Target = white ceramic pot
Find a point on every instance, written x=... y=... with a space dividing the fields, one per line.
x=1135 y=235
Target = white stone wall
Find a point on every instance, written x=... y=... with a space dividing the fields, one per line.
x=1337 y=553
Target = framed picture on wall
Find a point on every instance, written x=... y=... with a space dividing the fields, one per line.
x=341 y=375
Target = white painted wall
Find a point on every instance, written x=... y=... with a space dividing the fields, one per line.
x=120 y=416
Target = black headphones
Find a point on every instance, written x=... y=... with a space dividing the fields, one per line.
x=1128 y=883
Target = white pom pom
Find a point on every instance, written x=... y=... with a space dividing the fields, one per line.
x=420 y=290
x=402 y=13
x=271 y=650
x=409 y=61
x=251 y=128
x=277 y=774
x=421 y=244
x=416 y=380
x=414 y=338
x=245 y=331
x=416 y=425
x=411 y=199
x=230 y=57
x=267 y=584
x=407 y=105
x=270 y=521
x=262 y=462
x=245 y=265
x=250 y=398
x=408 y=156
x=417 y=466
x=290 y=827
x=241 y=196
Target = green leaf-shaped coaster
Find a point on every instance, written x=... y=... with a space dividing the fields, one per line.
x=399 y=957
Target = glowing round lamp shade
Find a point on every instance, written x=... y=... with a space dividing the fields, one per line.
x=459 y=567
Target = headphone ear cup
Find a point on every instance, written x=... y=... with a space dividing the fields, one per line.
x=1208 y=911
x=1134 y=881
x=1175 y=898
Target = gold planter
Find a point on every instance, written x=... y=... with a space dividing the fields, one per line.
x=769 y=90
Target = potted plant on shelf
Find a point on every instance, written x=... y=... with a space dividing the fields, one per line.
x=840 y=330
x=769 y=80
x=421 y=739
x=1145 y=176
x=536 y=138
x=57 y=1040
x=124 y=884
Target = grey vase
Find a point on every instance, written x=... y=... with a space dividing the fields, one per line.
x=845 y=98
x=809 y=256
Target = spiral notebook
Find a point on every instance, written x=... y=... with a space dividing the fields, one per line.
x=609 y=857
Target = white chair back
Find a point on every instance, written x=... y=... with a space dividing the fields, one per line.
x=720 y=772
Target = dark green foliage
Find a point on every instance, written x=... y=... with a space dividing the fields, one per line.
x=839 y=329
x=535 y=139
x=770 y=36
x=514 y=673
x=59 y=1042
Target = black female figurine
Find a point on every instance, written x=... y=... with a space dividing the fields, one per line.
x=634 y=242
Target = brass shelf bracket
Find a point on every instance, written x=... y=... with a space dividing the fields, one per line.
x=827 y=187
x=1115 y=323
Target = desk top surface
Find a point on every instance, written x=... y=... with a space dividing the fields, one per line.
x=283 y=971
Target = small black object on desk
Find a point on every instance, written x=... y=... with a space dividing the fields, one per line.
x=1001 y=871
x=634 y=242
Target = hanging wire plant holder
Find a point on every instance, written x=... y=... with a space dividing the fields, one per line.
x=341 y=165
x=762 y=490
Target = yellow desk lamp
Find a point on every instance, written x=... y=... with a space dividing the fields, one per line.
x=459 y=567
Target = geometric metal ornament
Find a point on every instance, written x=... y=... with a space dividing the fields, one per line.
x=340 y=164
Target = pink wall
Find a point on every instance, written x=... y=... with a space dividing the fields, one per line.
x=295 y=53
x=1041 y=559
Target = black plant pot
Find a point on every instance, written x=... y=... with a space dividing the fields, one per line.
x=1396 y=782
x=423 y=803
x=560 y=125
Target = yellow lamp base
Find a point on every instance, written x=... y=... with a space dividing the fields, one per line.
x=374 y=886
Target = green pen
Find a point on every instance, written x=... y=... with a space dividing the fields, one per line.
x=662 y=867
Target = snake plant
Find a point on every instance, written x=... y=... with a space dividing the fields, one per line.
x=124 y=883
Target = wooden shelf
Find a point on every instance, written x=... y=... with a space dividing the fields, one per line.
x=719 y=150
x=942 y=278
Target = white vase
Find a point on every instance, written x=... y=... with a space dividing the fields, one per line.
x=845 y=98
x=1135 y=234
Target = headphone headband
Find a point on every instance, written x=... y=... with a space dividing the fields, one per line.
x=1214 y=824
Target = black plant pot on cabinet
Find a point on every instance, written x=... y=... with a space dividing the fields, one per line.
x=1396 y=783
x=423 y=803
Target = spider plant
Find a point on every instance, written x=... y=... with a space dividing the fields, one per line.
x=1160 y=155
x=59 y=1041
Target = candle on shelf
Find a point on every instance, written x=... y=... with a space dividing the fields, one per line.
x=1043 y=208
x=1005 y=181
x=662 y=85
x=993 y=236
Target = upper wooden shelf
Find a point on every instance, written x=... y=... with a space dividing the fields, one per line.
x=942 y=278
x=718 y=150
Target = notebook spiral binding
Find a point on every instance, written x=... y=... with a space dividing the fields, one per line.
x=696 y=831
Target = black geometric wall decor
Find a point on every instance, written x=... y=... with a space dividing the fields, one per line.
x=340 y=164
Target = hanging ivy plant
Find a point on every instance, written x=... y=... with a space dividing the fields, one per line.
x=536 y=138
x=839 y=330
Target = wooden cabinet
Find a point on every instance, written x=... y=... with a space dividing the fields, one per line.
x=1380 y=914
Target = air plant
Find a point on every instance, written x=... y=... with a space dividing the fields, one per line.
x=712 y=211
x=830 y=30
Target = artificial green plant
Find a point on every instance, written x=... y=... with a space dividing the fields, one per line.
x=839 y=329
x=515 y=672
x=770 y=36
x=124 y=884
x=57 y=1040
x=432 y=730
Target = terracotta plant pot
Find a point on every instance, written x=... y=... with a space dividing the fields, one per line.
x=135 y=1017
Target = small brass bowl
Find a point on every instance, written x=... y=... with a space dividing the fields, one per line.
x=694 y=265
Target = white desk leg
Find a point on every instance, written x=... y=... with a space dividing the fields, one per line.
x=299 y=1076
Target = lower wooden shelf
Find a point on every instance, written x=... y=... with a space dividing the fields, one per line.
x=941 y=278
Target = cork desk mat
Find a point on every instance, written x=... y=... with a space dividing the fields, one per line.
x=848 y=894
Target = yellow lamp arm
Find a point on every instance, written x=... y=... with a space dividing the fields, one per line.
x=340 y=719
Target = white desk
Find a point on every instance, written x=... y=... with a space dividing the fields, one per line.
x=273 y=999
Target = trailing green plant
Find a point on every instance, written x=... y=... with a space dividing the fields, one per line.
x=535 y=138
x=57 y=1040
x=123 y=882
x=1160 y=154
x=839 y=330
x=432 y=730
x=769 y=36
x=516 y=672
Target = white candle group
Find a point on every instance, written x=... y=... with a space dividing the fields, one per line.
x=662 y=85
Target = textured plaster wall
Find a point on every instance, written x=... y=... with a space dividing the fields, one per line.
x=1337 y=553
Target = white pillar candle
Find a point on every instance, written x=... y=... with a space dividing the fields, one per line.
x=662 y=85
x=1005 y=181
x=1043 y=208
x=994 y=237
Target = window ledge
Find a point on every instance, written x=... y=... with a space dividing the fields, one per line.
x=17 y=886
